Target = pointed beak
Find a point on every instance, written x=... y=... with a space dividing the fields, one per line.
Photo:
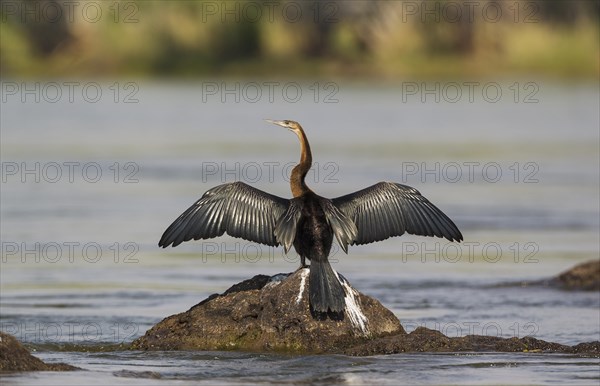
x=278 y=123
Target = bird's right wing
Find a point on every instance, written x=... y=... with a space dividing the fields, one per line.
x=236 y=208
x=388 y=209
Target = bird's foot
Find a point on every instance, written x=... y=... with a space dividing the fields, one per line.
x=303 y=263
x=303 y=266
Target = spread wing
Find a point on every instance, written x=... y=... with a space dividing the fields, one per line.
x=344 y=228
x=285 y=228
x=236 y=208
x=388 y=209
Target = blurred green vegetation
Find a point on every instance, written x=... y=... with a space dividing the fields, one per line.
x=382 y=39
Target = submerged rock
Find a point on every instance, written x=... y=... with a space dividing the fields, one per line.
x=425 y=340
x=271 y=314
x=15 y=357
x=584 y=276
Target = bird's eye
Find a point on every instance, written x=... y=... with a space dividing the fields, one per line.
x=286 y=122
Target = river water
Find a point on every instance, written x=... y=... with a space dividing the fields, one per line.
x=94 y=171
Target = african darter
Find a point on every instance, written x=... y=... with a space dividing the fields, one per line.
x=309 y=221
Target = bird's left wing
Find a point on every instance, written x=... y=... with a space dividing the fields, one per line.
x=388 y=209
x=236 y=208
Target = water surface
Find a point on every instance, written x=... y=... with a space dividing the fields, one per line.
x=81 y=271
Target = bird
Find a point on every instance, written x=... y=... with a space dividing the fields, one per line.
x=309 y=222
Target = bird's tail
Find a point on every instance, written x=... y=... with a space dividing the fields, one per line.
x=325 y=290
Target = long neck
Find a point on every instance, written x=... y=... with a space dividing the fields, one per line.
x=299 y=172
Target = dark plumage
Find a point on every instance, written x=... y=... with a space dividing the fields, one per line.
x=309 y=222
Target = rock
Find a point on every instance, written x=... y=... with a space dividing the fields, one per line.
x=425 y=340
x=271 y=314
x=15 y=357
x=585 y=276
x=582 y=277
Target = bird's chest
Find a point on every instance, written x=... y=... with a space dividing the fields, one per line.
x=314 y=235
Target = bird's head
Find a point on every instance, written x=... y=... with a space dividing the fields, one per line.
x=291 y=125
